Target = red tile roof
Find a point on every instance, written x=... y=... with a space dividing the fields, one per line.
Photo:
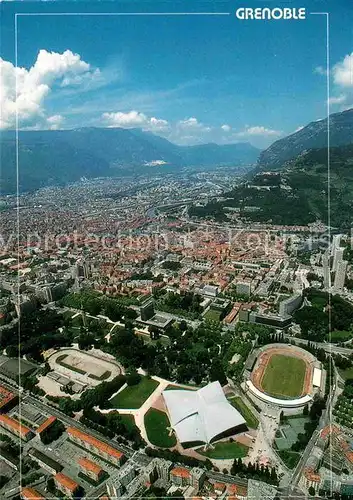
x=180 y=472
x=5 y=396
x=95 y=442
x=66 y=481
x=349 y=456
x=31 y=494
x=15 y=425
x=49 y=421
x=219 y=486
x=311 y=475
x=89 y=465
x=329 y=429
x=237 y=489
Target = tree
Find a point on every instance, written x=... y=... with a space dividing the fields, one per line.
x=183 y=325
x=154 y=332
x=217 y=372
x=3 y=481
x=311 y=491
x=273 y=476
x=133 y=378
x=52 y=433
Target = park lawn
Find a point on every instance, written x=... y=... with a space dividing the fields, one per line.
x=212 y=315
x=347 y=373
x=290 y=458
x=225 y=450
x=284 y=376
x=133 y=396
x=339 y=336
x=156 y=424
x=147 y=339
x=318 y=302
x=250 y=418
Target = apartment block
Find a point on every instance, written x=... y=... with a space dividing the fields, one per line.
x=31 y=494
x=96 y=446
x=16 y=427
x=91 y=469
x=65 y=484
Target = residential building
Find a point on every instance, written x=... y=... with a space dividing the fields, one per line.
x=66 y=484
x=147 y=310
x=310 y=479
x=9 y=459
x=340 y=276
x=244 y=313
x=7 y=399
x=326 y=270
x=98 y=447
x=209 y=290
x=16 y=427
x=46 y=425
x=114 y=488
x=270 y=319
x=197 y=477
x=91 y=469
x=126 y=474
x=47 y=463
x=337 y=258
x=180 y=476
x=288 y=306
x=158 y=469
x=258 y=490
x=243 y=288
x=31 y=494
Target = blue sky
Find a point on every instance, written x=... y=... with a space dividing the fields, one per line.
x=191 y=79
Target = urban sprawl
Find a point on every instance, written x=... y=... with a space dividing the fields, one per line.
x=146 y=352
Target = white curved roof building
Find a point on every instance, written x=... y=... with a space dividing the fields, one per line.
x=201 y=415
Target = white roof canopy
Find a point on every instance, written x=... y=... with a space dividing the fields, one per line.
x=201 y=415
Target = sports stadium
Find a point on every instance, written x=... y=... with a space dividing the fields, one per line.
x=284 y=375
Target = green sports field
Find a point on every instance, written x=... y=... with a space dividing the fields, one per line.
x=135 y=395
x=157 y=424
x=284 y=376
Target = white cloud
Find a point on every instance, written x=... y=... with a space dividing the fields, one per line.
x=50 y=70
x=338 y=99
x=133 y=119
x=187 y=131
x=125 y=120
x=192 y=124
x=258 y=130
x=320 y=70
x=55 y=122
x=343 y=72
x=158 y=124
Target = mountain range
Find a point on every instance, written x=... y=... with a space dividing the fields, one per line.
x=312 y=136
x=53 y=157
x=290 y=182
x=57 y=157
